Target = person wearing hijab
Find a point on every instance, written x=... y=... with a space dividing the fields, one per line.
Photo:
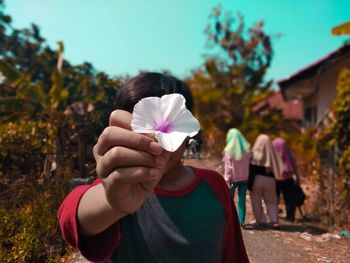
x=237 y=168
x=285 y=181
x=265 y=165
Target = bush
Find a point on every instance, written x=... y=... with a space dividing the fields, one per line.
x=30 y=232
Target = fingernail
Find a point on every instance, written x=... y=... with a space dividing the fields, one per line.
x=154 y=172
x=155 y=147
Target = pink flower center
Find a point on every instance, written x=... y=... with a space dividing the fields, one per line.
x=164 y=127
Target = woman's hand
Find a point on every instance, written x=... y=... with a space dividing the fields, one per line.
x=129 y=164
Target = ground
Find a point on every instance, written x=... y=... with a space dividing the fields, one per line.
x=302 y=241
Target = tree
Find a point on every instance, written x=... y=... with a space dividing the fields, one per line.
x=232 y=82
x=35 y=88
x=333 y=145
x=50 y=112
x=341 y=136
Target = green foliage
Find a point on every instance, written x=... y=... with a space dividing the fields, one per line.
x=334 y=141
x=29 y=233
x=229 y=85
x=338 y=135
x=342 y=111
x=341 y=129
x=24 y=145
x=250 y=49
x=11 y=74
x=50 y=116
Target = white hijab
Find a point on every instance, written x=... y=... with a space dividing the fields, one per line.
x=264 y=154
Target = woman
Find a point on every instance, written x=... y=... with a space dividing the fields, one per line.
x=285 y=181
x=146 y=205
x=237 y=168
x=265 y=165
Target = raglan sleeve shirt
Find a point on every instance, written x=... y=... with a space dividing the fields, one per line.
x=95 y=248
x=233 y=246
x=102 y=246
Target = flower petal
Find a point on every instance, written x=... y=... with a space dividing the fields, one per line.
x=187 y=123
x=146 y=114
x=167 y=117
x=170 y=141
x=172 y=105
x=174 y=110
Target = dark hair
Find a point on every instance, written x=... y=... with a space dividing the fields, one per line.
x=151 y=85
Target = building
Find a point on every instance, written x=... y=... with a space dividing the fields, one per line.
x=315 y=85
x=292 y=111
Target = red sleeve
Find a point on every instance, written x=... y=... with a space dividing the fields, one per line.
x=95 y=248
x=233 y=248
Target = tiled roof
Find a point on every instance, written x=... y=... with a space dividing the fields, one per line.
x=313 y=68
x=290 y=109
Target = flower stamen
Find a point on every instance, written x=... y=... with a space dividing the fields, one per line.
x=164 y=127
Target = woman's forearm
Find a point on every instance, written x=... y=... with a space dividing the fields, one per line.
x=94 y=213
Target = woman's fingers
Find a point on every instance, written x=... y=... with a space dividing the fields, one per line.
x=127 y=188
x=132 y=175
x=120 y=118
x=115 y=136
x=119 y=157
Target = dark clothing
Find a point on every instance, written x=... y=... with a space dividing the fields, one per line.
x=287 y=187
x=195 y=224
x=242 y=190
x=257 y=170
x=160 y=230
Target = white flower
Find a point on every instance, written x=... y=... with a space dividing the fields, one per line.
x=167 y=118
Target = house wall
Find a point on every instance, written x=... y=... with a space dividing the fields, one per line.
x=326 y=84
x=300 y=89
x=311 y=107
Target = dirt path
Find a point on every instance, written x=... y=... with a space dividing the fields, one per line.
x=300 y=242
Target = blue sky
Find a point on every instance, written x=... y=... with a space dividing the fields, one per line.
x=125 y=36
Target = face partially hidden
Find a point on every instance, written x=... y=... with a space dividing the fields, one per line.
x=170 y=122
x=175 y=158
